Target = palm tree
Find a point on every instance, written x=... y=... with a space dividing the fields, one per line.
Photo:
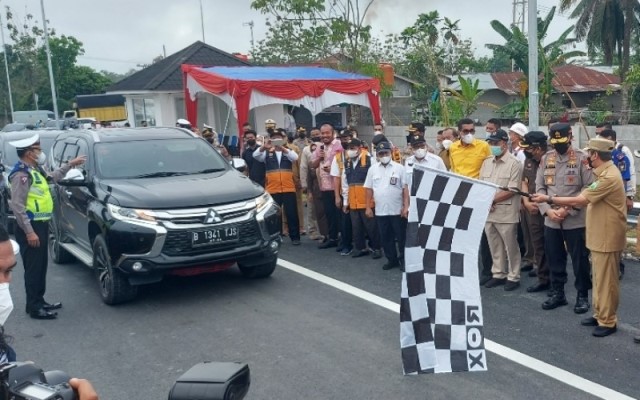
x=607 y=25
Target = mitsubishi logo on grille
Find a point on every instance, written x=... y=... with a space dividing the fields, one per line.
x=212 y=217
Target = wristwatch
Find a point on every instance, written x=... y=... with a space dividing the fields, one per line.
x=550 y=201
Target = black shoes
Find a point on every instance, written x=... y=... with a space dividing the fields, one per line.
x=511 y=285
x=494 y=282
x=582 y=305
x=328 y=244
x=53 y=306
x=533 y=273
x=295 y=242
x=558 y=299
x=602 y=331
x=538 y=287
x=484 y=279
x=589 y=322
x=621 y=274
x=43 y=314
x=391 y=265
x=360 y=253
x=376 y=254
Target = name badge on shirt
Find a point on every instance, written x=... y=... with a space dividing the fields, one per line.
x=393 y=181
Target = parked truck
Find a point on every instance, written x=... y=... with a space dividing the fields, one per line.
x=102 y=107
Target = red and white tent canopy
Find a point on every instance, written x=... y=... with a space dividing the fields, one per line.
x=245 y=88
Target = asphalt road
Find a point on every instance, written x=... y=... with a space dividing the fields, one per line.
x=304 y=339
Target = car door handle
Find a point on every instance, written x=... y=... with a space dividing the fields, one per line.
x=68 y=193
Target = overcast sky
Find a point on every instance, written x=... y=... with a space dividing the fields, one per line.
x=119 y=34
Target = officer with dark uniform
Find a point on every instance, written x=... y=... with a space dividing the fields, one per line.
x=32 y=205
x=564 y=172
x=535 y=146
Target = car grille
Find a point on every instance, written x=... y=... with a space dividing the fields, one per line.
x=178 y=243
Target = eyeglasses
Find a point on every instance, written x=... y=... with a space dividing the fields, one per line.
x=468 y=131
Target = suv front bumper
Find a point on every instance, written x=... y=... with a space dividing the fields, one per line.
x=145 y=249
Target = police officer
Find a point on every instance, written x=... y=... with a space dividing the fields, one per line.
x=535 y=146
x=564 y=172
x=184 y=124
x=32 y=206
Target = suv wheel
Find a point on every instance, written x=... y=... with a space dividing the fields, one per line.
x=58 y=254
x=259 y=271
x=114 y=285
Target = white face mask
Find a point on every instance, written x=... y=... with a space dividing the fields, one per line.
x=377 y=132
x=6 y=303
x=446 y=144
x=420 y=153
x=42 y=158
x=385 y=160
x=439 y=146
x=352 y=153
x=468 y=138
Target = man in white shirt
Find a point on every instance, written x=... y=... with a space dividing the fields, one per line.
x=385 y=183
x=421 y=156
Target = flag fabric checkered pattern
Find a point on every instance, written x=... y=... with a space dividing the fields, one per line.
x=441 y=323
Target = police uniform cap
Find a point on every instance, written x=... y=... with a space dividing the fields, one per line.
x=415 y=127
x=383 y=146
x=500 y=134
x=355 y=142
x=416 y=140
x=26 y=142
x=559 y=133
x=346 y=133
x=601 y=144
x=183 y=121
x=270 y=123
x=302 y=129
x=379 y=139
x=534 y=139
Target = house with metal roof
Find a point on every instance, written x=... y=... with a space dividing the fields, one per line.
x=155 y=94
x=574 y=88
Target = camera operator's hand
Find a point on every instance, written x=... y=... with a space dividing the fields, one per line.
x=84 y=389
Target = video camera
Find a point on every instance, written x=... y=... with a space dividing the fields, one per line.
x=204 y=381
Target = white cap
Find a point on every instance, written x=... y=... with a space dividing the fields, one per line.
x=183 y=121
x=519 y=128
x=15 y=246
x=26 y=142
x=205 y=126
x=269 y=122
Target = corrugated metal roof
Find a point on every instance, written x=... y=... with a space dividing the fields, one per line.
x=574 y=78
x=508 y=82
x=484 y=78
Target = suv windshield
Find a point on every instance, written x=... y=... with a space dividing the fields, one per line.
x=156 y=158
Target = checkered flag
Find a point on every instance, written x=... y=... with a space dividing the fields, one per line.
x=441 y=324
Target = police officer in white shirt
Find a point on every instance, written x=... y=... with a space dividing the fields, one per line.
x=386 y=184
x=421 y=156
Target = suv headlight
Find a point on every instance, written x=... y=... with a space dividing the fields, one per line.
x=263 y=201
x=131 y=214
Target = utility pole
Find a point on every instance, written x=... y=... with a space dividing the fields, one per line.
x=6 y=67
x=51 y=79
x=202 y=22
x=533 y=66
x=519 y=16
x=250 y=25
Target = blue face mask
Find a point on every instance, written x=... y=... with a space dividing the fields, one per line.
x=496 y=150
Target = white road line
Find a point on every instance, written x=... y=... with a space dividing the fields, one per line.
x=542 y=367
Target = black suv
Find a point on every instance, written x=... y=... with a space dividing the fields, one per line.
x=156 y=201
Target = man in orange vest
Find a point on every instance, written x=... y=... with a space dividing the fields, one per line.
x=354 y=173
x=279 y=165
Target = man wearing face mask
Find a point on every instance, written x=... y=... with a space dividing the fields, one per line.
x=316 y=219
x=449 y=135
x=563 y=172
x=358 y=162
x=501 y=227
x=32 y=206
x=421 y=157
x=337 y=168
x=255 y=169
x=535 y=146
x=301 y=140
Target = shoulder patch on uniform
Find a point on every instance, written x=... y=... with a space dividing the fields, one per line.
x=594 y=185
x=24 y=179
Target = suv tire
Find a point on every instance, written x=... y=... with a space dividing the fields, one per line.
x=114 y=285
x=58 y=254
x=259 y=271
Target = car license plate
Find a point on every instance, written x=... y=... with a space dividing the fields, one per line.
x=212 y=236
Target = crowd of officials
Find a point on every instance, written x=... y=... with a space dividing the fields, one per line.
x=562 y=201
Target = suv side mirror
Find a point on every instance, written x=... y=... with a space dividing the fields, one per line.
x=73 y=178
x=239 y=164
